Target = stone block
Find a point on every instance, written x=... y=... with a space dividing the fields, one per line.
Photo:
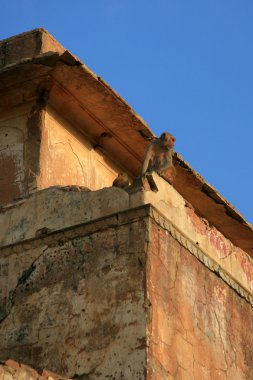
x=27 y=45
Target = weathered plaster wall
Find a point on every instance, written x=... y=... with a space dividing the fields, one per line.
x=199 y=328
x=68 y=158
x=220 y=255
x=57 y=208
x=74 y=301
x=39 y=149
x=75 y=286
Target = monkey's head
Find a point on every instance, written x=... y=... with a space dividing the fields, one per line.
x=167 y=139
x=122 y=180
x=123 y=175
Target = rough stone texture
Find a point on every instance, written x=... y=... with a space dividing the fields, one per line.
x=198 y=328
x=12 y=370
x=77 y=305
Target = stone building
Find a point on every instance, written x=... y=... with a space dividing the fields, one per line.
x=97 y=282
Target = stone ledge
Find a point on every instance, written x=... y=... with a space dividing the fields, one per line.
x=78 y=230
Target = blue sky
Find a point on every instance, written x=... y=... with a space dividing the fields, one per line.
x=186 y=66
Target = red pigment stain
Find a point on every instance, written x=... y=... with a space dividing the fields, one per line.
x=216 y=240
x=246 y=266
x=220 y=245
x=197 y=223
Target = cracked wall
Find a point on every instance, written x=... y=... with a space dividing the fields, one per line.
x=39 y=149
x=199 y=328
x=107 y=297
x=74 y=303
x=68 y=158
x=60 y=292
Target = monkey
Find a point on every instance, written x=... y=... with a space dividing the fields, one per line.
x=122 y=181
x=158 y=157
x=105 y=136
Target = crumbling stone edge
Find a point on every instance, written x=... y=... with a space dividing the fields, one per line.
x=12 y=369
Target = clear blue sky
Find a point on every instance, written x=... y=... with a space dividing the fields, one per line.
x=186 y=66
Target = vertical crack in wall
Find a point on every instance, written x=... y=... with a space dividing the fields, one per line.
x=20 y=282
x=78 y=159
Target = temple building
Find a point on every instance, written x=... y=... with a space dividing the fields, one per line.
x=98 y=282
